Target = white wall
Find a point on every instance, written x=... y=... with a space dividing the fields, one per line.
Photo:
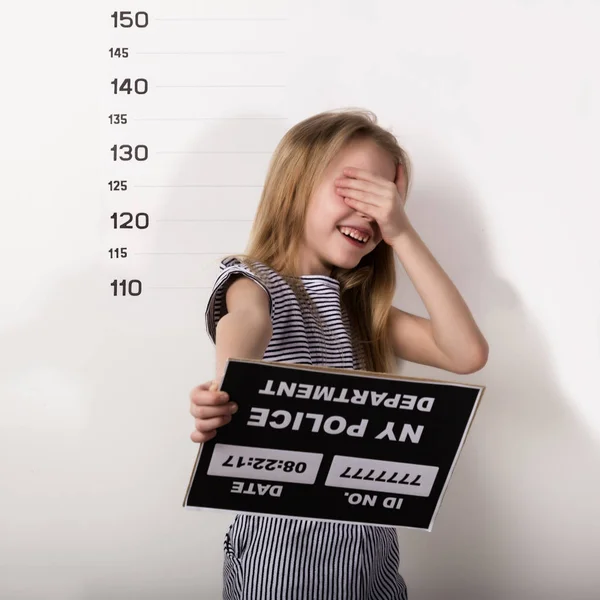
x=497 y=104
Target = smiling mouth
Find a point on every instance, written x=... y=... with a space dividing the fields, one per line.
x=355 y=241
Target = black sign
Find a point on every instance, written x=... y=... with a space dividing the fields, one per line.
x=334 y=444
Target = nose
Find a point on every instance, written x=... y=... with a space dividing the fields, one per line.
x=372 y=222
x=364 y=216
x=367 y=218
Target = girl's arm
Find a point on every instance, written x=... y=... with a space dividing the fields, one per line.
x=450 y=340
x=246 y=330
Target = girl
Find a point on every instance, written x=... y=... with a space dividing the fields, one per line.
x=316 y=287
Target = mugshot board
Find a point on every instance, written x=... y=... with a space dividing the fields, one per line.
x=334 y=444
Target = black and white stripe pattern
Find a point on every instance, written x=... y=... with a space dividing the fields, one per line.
x=273 y=558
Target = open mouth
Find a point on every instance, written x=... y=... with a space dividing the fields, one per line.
x=354 y=240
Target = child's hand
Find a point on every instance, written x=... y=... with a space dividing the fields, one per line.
x=379 y=198
x=211 y=409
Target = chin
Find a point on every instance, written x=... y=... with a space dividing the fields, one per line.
x=346 y=263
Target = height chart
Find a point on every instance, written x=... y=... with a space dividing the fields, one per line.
x=184 y=158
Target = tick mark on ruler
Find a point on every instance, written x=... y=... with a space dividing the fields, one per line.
x=214 y=152
x=215 y=52
x=220 y=19
x=211 y=119
x=219 y=86
x=211 y=220
x=198 y=185
x=203 y=253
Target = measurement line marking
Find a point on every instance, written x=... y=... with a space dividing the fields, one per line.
x=204 y=253
x=198 y=185
x=221 y=19
x=194 y=52
x=211 y=220
x=219 y=86
x=210 y=119
x=214 y=151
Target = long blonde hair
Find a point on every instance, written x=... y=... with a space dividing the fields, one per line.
x=296 y=167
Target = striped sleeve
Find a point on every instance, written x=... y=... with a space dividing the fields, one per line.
x=216 y=306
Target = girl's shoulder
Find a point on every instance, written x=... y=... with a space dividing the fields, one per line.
x=232 y=268
x=253 y=267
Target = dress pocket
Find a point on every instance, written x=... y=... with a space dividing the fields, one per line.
x=233 y=579
x=228 y=547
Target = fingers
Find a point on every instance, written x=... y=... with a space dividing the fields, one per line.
x=211 y=409
x=207 y=394
x=206 y=429
x=207 y=425
x=209 y=412
x=200 y=438
x=212 y=385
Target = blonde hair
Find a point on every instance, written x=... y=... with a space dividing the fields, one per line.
x=296 y=167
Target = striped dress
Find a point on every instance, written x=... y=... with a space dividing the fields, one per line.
x=278 y=558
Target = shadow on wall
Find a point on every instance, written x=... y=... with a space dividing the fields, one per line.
x=95 y=389
x=519 y=517
x=102 y=385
